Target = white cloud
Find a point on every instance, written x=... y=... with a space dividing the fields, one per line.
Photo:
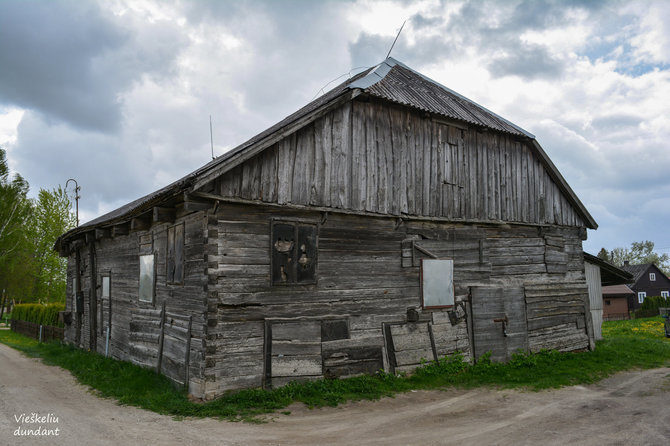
x=9 y=121
x=652 y=38
x=124 y=107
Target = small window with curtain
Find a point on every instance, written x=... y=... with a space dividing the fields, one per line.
x=175 y=255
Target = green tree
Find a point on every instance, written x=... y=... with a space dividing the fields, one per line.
x=640 y=253
x=30 y=269
x=14 y=208
x=51 y=217
x=15 y=246
x=604 y=255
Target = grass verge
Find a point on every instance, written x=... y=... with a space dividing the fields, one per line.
x=623 y=348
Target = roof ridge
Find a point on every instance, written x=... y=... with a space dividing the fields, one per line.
x=380 y=71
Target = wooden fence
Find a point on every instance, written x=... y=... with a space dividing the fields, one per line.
x=43 y=333
x=616 y=317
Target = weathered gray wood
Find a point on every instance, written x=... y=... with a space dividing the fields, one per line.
x=499 y=322
x=163 y=214
x=286 y=158
x=102 y=233
x=371 y=164
x=120 y=229
x=161 y=340
x=358 y=158
x=187 y=353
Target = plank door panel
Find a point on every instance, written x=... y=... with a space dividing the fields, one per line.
x=514 y=301
x=408 y=345
x=499 y=322
x=294 y=351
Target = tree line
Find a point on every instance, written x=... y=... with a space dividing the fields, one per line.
x=30 y=270
x=639 y=253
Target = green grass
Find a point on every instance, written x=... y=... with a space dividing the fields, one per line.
x=627 y=345
x=649 y=328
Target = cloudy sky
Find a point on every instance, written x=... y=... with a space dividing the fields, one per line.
x=118 y=94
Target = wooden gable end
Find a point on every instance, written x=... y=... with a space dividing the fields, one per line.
x=386 y=159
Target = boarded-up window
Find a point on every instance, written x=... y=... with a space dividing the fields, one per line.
x=106 y=286
x=294 y=252
x=147 y=274
x=175 y=254
x=437 y=287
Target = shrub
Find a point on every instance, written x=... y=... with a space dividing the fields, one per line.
x=38 y=313
x=650 y=306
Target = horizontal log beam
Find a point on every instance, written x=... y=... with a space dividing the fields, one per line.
x=141 y=222
x=120 y=229
x=102 y=233
x=163 y=215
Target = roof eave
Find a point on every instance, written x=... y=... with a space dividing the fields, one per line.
x=246 y=151
x=610 y=274
x=564 y=186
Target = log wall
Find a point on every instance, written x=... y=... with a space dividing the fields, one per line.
x=368 y=277
x=386 y=159
x=134 y=324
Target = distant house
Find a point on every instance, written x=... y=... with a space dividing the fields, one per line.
x=648 y=281
x=615 y=302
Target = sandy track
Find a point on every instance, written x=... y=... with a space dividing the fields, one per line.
x=629 y=408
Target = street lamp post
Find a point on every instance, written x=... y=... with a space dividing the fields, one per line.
x=76 y=195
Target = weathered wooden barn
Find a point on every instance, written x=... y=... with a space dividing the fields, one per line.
x=387 y=221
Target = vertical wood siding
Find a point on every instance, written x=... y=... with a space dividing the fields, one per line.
x=593 y=281
x=367 y=156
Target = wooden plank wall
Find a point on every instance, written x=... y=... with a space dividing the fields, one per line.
x=364 y=279
x=379 y=158
x=409 y=345
x=119 y=257
x=594 y=282
x=557 y=316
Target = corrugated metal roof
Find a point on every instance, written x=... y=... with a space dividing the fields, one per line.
x=398 y=83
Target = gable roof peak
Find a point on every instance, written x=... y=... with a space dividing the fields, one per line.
x=394 y=81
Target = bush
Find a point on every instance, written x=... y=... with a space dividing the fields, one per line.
x=38 y=313
x=650 y=306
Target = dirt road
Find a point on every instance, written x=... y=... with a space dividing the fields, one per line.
x=627 y=409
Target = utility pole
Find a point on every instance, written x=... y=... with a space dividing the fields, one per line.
x=76 y=195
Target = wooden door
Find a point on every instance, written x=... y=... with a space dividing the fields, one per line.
x=293 y=351
x=499 y=322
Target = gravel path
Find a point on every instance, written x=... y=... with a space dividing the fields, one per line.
x=626 y=409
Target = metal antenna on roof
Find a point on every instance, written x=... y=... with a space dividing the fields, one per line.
x=348 y=74
x=396 y=39
x=211 y=135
